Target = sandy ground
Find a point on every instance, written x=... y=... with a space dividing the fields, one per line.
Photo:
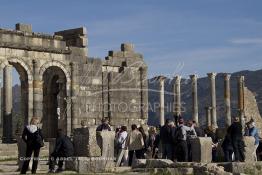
x=10 y=167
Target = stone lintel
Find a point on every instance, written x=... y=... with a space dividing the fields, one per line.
x=127 y=47
x=24 y=27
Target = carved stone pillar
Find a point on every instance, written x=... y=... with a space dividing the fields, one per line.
x=212 y=78
x=194 y=98
x=241 y=105
x=208 y=116
x=7 y=105
x=177 y=96
x=37 y=92
x=144 y=93
x=227 y=99
x=74 y=93
x=161 y=80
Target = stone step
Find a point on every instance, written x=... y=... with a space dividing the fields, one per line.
x=11 y=150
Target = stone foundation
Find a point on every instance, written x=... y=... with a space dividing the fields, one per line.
x=201 y=149
x=94 y=151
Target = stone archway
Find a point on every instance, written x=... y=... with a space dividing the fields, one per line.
x=56 y=91
x=26 y=105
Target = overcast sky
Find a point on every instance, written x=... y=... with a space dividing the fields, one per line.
x=175 y=37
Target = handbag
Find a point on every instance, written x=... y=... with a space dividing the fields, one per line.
x=39 y=140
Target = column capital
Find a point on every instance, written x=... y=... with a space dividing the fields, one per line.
x=241 y=78
x=177 y=79
x=212 y=75
x=160 y=78
x=208 y=107
x=227 y=76
x=193 y=77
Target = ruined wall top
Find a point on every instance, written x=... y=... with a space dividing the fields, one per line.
x=63 y=42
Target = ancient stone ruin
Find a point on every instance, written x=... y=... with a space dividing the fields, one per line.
x=63 y=86
x=69 y=90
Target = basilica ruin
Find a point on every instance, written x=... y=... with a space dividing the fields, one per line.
x=63 y=86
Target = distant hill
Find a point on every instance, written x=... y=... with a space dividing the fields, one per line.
x=253 y=81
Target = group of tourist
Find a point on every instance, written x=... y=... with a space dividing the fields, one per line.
x=233 y=142
x=171 y=141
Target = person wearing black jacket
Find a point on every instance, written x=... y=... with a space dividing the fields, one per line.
x=33 y=138
x=227 y=147
x=104 y=126
x=63 y=149
x=166 y=140
x=235 y=130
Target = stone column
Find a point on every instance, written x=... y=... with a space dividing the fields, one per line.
x=194 y=97
x=144 y=93
x=161 y=80
x=37 y=92
x=1 y=97
x=74 y=94
x=7 y=104
x=241 y=85
x=212 y=77
x=227 y=99
x=208 y=116
x=177 y=96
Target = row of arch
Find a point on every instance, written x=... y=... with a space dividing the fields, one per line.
x=27 y=75
x=29 y=71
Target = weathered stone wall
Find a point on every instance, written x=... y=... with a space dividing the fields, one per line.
x=115 y=87
x=125 y=87
x=251 y=109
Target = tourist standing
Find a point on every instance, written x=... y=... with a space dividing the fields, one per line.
x=199 y=131
x=104 y=126
x=33 y=138
x=145 y=139
x=235 y=130
x=153 y=142
x=121 y=142
x=166 y=140
x=211 y=132
x=134 y=144
x=253 y=131
x=191 y=134
x=180 y=139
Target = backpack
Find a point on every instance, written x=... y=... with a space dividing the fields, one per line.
x=178 y=136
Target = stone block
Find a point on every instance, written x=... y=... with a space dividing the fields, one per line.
x=159 y=163
x=139 y=163
x=243 y=167
x=201 y=149
x=105 y=140
x=85 y=142
x=127 y=47
x=85 y=165
x=249 y=149
x=24 y=27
